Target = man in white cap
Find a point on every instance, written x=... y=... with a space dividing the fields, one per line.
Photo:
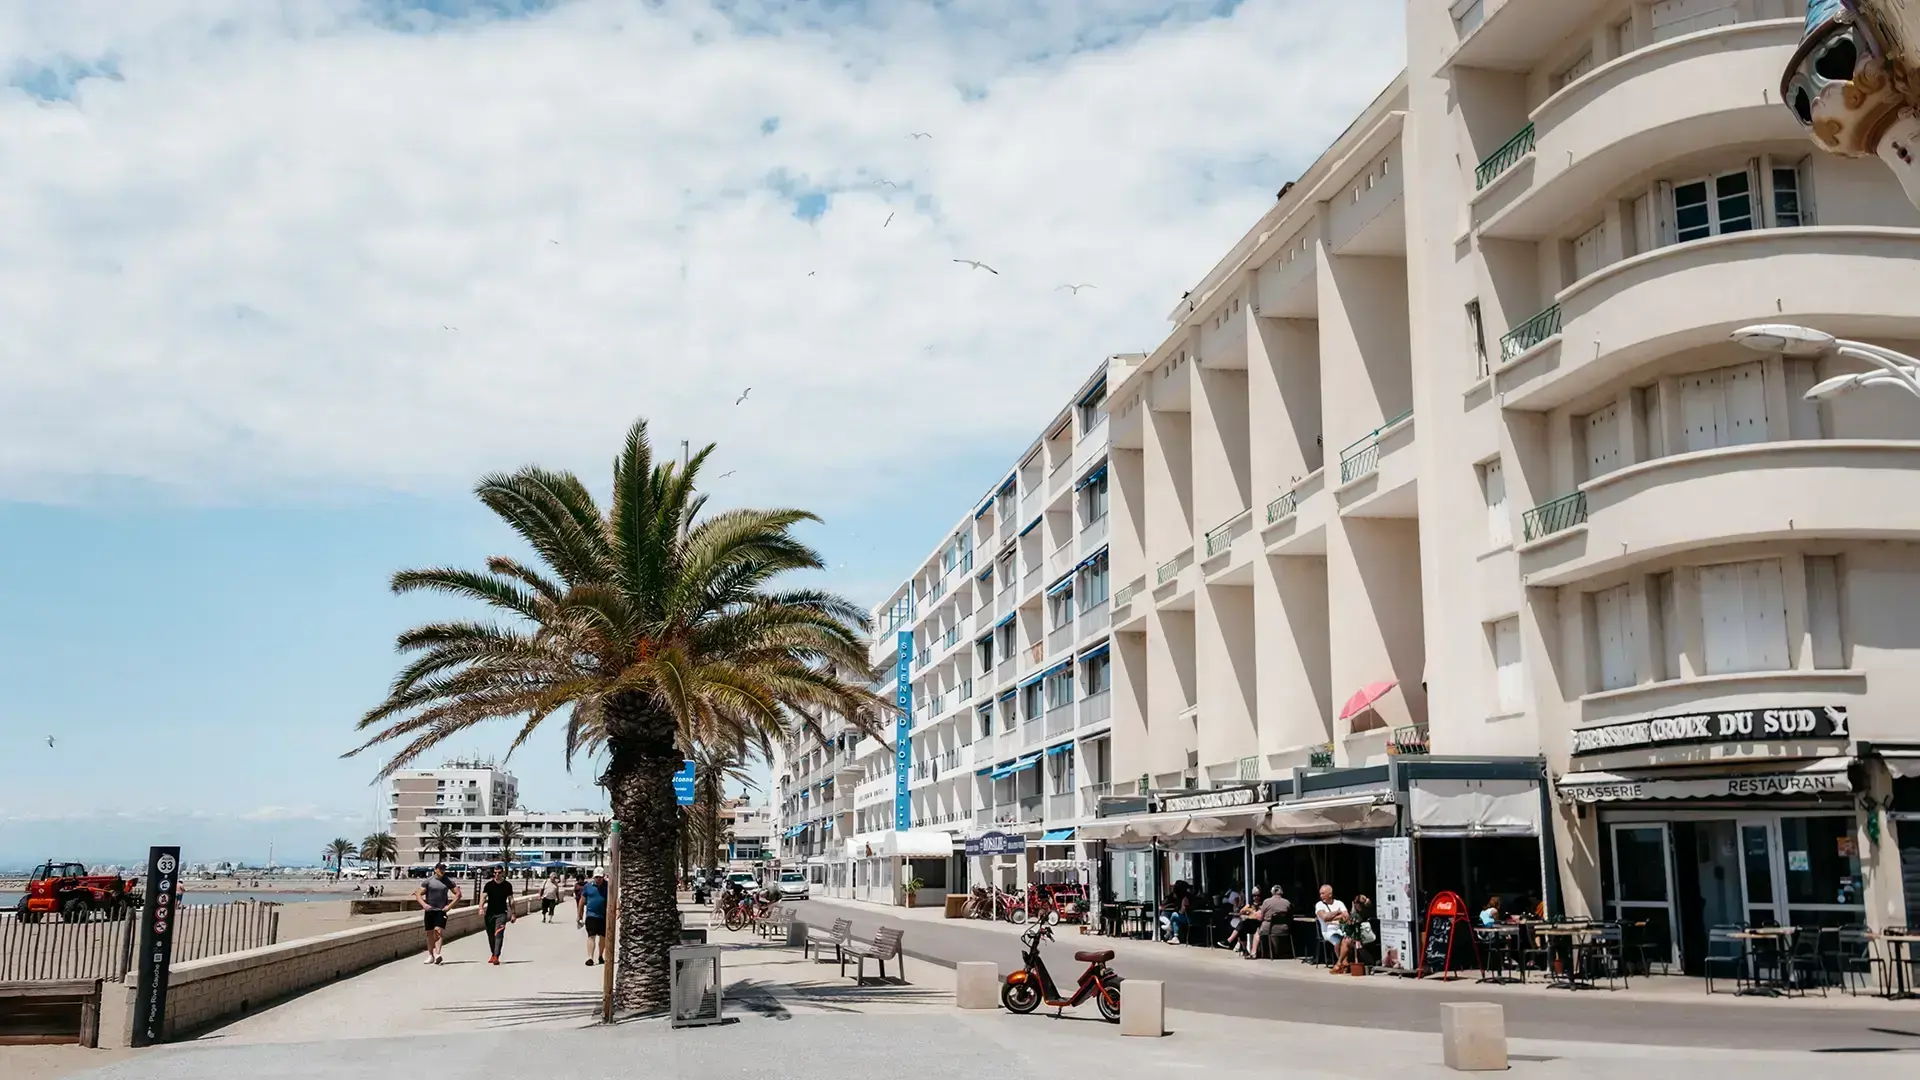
x=594 y=895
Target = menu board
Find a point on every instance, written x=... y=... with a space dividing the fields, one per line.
x=1393 y=895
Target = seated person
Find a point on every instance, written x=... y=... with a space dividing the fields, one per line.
x=1273 y=916
x=1491 y=915
x=1331 y=915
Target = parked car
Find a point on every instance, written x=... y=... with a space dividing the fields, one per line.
x=793 y=885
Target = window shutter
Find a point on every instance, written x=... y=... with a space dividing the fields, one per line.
x=1823 y=611
x=1765 y=604
x=1805 y=169
x=1499 y=523
x=1743 y=389
x=1663 y=213
x=1700 y=411
x=1603 y=441
x=1506 y=661
x=1613 y=630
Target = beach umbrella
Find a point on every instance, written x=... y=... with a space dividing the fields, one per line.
x=1366 y=696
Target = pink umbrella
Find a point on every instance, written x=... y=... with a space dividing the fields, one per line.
x=1368 y=694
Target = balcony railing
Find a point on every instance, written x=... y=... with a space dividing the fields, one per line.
x=1172 y=567
x=1094 y=619
x=1030 y=731
x=1057 y=479
x=1060 y=637
x=1128 y=592
x=1036 y=652
x=1362 y=456
x=1030 y=811
x=1096 y=707
x=1562 y=513
x=1530 y=333
x=1060 y=806
x=1504 y=158
x=1093 y=534
x=1059 y=719
x=1282 y=508
x=1221 y=537
x=983 y=816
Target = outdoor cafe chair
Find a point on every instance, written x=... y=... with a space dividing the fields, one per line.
x=1723 y=951
x=1805 y=960
x=1854 y=955
x=1604 y=950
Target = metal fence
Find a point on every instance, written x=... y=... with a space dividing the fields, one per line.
x=103 y=949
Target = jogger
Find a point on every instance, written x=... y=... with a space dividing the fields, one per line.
x=498 y=895
x=436 y=895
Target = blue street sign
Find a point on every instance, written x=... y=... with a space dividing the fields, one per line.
x=683 y=784
x=903 y=734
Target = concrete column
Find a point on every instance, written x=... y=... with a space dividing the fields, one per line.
x=1143 y=1008
x=976 y=985
x=1473 y=1036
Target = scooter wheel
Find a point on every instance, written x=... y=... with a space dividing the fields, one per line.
x=1109 y=1002
x=1020 y=997
x=1053 y=917
x=1018 y=916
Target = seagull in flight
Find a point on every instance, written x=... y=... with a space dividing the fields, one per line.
x=889 y=183
x=743 y=395
x=919 y=135
x=49 y=740
x=444 y=326
x=1076 y=288
x=977 y=265
x=887 y=222
x=551 y=240
x=726 y=474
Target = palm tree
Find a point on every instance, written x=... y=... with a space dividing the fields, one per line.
x=510 y=837
x=602 y=828
x=337 y=851
x=656 y=630
x=444 y=841
x=379 y=847
x=713 y=768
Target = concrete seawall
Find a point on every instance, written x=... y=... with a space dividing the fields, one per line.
x=202 y=993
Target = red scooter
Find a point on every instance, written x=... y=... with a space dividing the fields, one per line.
x=1032 y=986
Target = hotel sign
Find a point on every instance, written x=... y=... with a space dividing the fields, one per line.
x=1737 y=726
x=903 y=734
x=1215 y=800
x=996 y=843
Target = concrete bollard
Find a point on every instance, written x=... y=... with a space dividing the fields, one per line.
x=796 y=934
x=976 y=985
x=1473 y=1036
x=1143 y=1008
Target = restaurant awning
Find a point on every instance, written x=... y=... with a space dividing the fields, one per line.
x=1823 y=776
x=1057 y=836
x=1335 y=813
x=1904 y=764
x=1137 y=828
x=1439 y=807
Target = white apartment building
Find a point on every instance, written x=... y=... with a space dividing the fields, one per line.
x=1006 y=671
x=1449 y=509
x=474 y=799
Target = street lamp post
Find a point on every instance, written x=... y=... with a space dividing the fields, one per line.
x=1891 y=368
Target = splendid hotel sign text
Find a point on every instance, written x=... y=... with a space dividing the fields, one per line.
x=1736 y=726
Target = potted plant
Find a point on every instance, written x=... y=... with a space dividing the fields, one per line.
x=910 y=886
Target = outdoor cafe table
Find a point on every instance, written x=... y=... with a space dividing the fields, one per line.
x=1560 y=938
x=1484 y=934
x=1777 y=937
x=1318 y=938
x=1900 y=959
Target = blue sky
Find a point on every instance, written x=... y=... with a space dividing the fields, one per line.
x=281 y=280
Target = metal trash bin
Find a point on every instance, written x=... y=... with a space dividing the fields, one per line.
x=695 y=985
x=693 y=935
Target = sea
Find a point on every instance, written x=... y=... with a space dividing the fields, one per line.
x=221 y=896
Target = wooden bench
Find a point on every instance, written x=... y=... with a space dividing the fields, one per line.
x=53 y=1011
x=885 y=946
x=818 y=940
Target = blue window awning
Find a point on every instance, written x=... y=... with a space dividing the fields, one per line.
x=1091 y=559
x=1035 y=523
x=984 y=507
x=1093 y=391
x=1061 y=749
x=1097 y=650
x=1031 y=679
x=1006 y=620
x=1062 y=585
x=1012 y=478
x=1093 y=477
x=984 y=574
x=1008 y=694
x=1027 y=762
x=1057 y=668
x=1002 y=770
x=1056 y=836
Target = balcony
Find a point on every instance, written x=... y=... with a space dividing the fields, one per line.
x=1530 y=335
x=1031 y=811
x=982 y=751
x=983 y=817
x=1851 y=281
x=1060 y=806
x=1282 y=508
x=1060 y=720
x=1060 y=638
x=1059 y=477
x=1761 y=492
x=1094 y=620
x=1504 y=158
x=1551 y=517
x=1362 y=456
x=1093 y=535
x=1035 y=654
x=1095 y=708
x=1512 y=35
x=1659 y=103
x=1060 y=561
x=1090 y=797
x=1030 y=732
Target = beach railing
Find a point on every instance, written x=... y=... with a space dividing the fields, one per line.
x=102 y=948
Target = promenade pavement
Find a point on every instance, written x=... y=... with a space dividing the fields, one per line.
x=1664 y=1010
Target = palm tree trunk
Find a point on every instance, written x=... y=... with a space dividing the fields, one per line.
x=640 y=786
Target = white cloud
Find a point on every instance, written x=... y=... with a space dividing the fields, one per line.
x=228 y=261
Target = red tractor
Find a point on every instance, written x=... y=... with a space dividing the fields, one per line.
x=75 y=895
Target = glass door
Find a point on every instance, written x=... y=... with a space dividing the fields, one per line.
x=1643 y=884
x=1759 y=847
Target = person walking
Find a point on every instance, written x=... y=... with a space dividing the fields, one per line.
x=498 y=912
x=435 y=895
x=593 y=904
x=579 y=902
x=549 y=897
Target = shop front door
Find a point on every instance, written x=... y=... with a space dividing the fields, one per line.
x=1643 y=885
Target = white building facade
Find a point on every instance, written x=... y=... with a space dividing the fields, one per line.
x=474 y=799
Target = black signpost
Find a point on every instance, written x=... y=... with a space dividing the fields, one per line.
x=157 y=920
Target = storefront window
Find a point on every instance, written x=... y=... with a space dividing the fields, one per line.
x=1824 y=885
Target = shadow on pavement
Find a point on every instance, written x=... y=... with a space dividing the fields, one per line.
x=517 y=1012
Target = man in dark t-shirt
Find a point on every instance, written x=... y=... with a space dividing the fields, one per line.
x=497 y=896
x=436 y=894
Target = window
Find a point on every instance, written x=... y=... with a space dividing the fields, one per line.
x=1602 y=430
x=1508 y=676
x=1724 y=407
x=1007 y=631
x=1092 y=584
x=1786 y=199
x=1060 y=607
x=1493 y=487
x=1097 y=674
x=983 y=653
x=1613 y=637
x=1006 y=573
x=1574 y=70
x=1588 y=251
x=1093 y=498
x=985 y=716
x=1059 y=688
x=1666 y=622
x=1477 y=336
x=1672 y=18
x=1743 y=616
x=1713 y=206
x=1093 y=408
x=1467 y=15
x=1060 y=773
x=1030 y=701
x=1823 y=611
x=1621 y=37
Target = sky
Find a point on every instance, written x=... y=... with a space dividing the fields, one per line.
x=279 y=281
